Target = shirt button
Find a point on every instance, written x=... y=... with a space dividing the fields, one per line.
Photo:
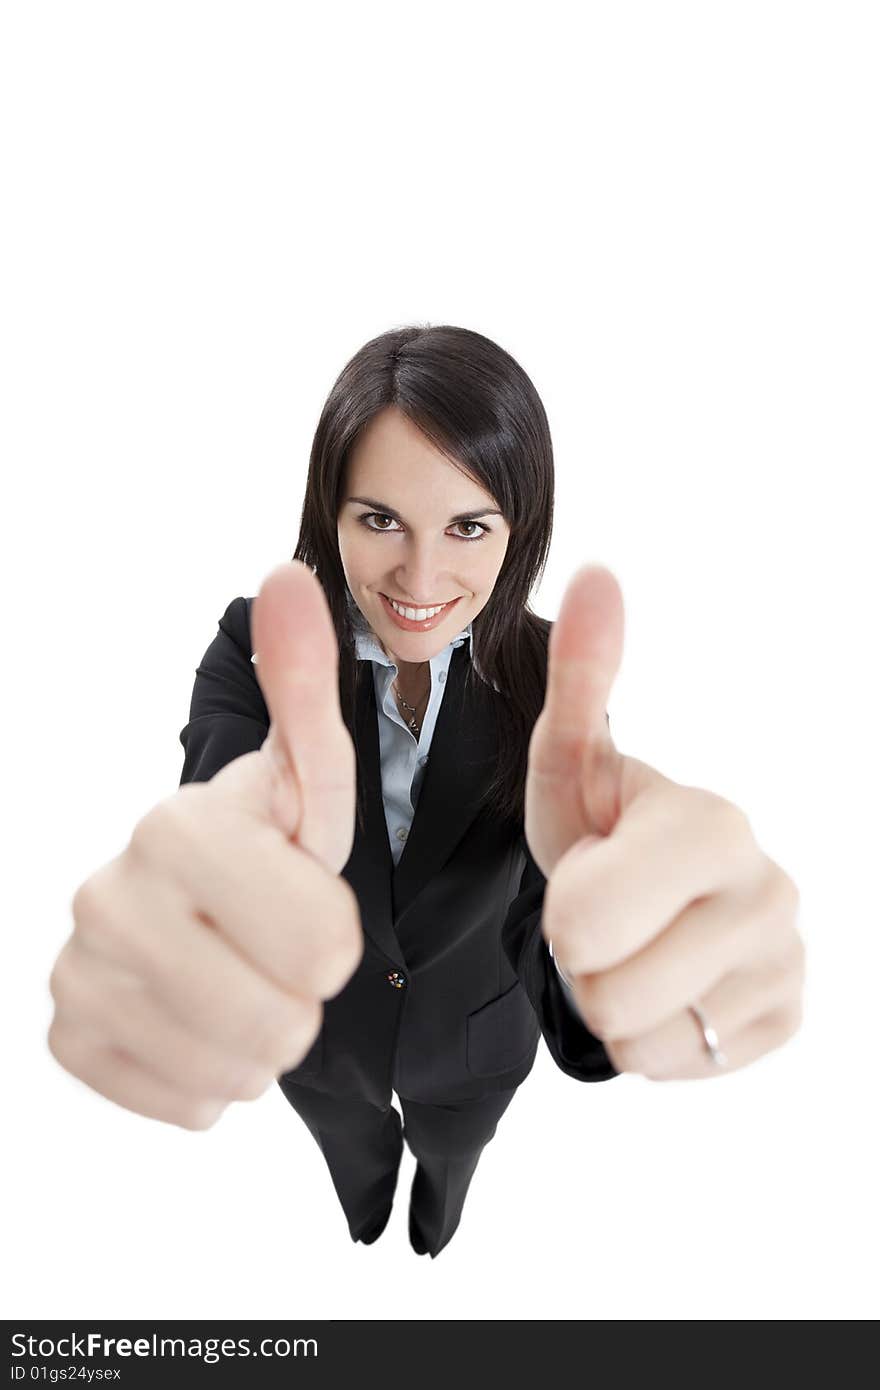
x=402 y=833
x=395 y=978
x=423 y=760
x=442 y=676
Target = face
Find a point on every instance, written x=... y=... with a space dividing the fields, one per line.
x=407 y=541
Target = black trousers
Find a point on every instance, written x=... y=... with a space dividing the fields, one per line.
x=363 y=1145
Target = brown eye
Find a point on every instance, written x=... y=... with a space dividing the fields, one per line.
x=484 y=530
x=367 y=519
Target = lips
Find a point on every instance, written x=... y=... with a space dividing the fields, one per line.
x=410 y=624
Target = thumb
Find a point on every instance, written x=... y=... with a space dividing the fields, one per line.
x=308 y=745
x=584 y=656
x=576 y=769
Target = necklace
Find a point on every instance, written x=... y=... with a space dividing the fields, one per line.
x=412 y=725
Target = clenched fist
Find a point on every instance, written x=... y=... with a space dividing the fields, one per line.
x=200 y=955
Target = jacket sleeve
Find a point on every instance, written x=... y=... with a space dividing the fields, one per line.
x=572 y=1046
x=228 y=715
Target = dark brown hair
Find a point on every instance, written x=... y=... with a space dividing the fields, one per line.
x=474 y=402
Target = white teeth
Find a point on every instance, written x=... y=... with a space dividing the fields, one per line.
x=417 y=615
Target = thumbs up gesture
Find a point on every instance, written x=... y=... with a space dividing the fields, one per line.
x=310 y=754
x=201 y=955
x=658 y=899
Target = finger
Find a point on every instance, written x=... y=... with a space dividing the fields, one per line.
x=119 y=1078
x=584 y=656
x=285 y=912
x=750 y=1014
x=297 y=665
x=708 y=940
x=572 y=756
x=207 y=985
x=121 y=1010
x=608 y=898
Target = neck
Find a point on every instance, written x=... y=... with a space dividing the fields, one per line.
x=413 y=680
x=410 y=670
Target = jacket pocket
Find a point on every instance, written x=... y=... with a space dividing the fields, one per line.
x=501 y=1034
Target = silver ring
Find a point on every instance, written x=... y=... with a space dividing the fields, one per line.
x=710 y=1036
x=565 y=976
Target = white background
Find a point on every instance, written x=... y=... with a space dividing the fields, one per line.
x=668 y=214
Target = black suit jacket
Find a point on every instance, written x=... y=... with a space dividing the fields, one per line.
x=456 y=984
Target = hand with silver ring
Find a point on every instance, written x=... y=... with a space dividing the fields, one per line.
x=677 y=933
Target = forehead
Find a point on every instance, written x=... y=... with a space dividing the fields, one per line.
x=391 y=440
x=393 y=456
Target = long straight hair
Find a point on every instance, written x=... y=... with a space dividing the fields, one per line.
x=474 y=402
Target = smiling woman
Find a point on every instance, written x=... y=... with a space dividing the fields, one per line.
x=351 y=906
x=427 y=520
x=431 y=485
x=435 y=577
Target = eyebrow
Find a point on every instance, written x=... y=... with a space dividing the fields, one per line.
x=385 y=510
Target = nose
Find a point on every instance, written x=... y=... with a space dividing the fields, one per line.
x=422 y=581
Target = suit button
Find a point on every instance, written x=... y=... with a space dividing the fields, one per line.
x=395 y=978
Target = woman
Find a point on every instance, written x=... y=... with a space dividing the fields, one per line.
x=434 y=756
x=430 y=484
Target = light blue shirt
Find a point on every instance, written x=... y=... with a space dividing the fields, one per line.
x=403 y=756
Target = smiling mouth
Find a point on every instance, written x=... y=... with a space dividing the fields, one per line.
x=404 y=603
x=417 y=624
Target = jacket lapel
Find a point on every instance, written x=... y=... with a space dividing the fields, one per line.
x=463 y=752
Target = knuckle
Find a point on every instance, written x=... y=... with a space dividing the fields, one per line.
x=259 y=1039
x=783 y=891
x=793 y=892
x=99 y=920
x=173 y=817
x=56 y=1040
x=89 y=902
x=296 y=1042
x=785 y=1021
x=199 y=1115
x=221 y=1078
x=242 y=1082
x=626 y=1055
x=793 y=1017
x=74 y=1000
x=352 y=952
x=285 y=1032
x=725 y=819
x=776 y=922
x=253 y=1083
x=147 y=832
x=784 y=981
x=342 y=947
x=60 y=976
x=600 y=1007
x=81 y=902
x=729 y=814
x=244 y=1079
x=555 y=920
x=735 y=825
x=71 y=1049
x=792 y=957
